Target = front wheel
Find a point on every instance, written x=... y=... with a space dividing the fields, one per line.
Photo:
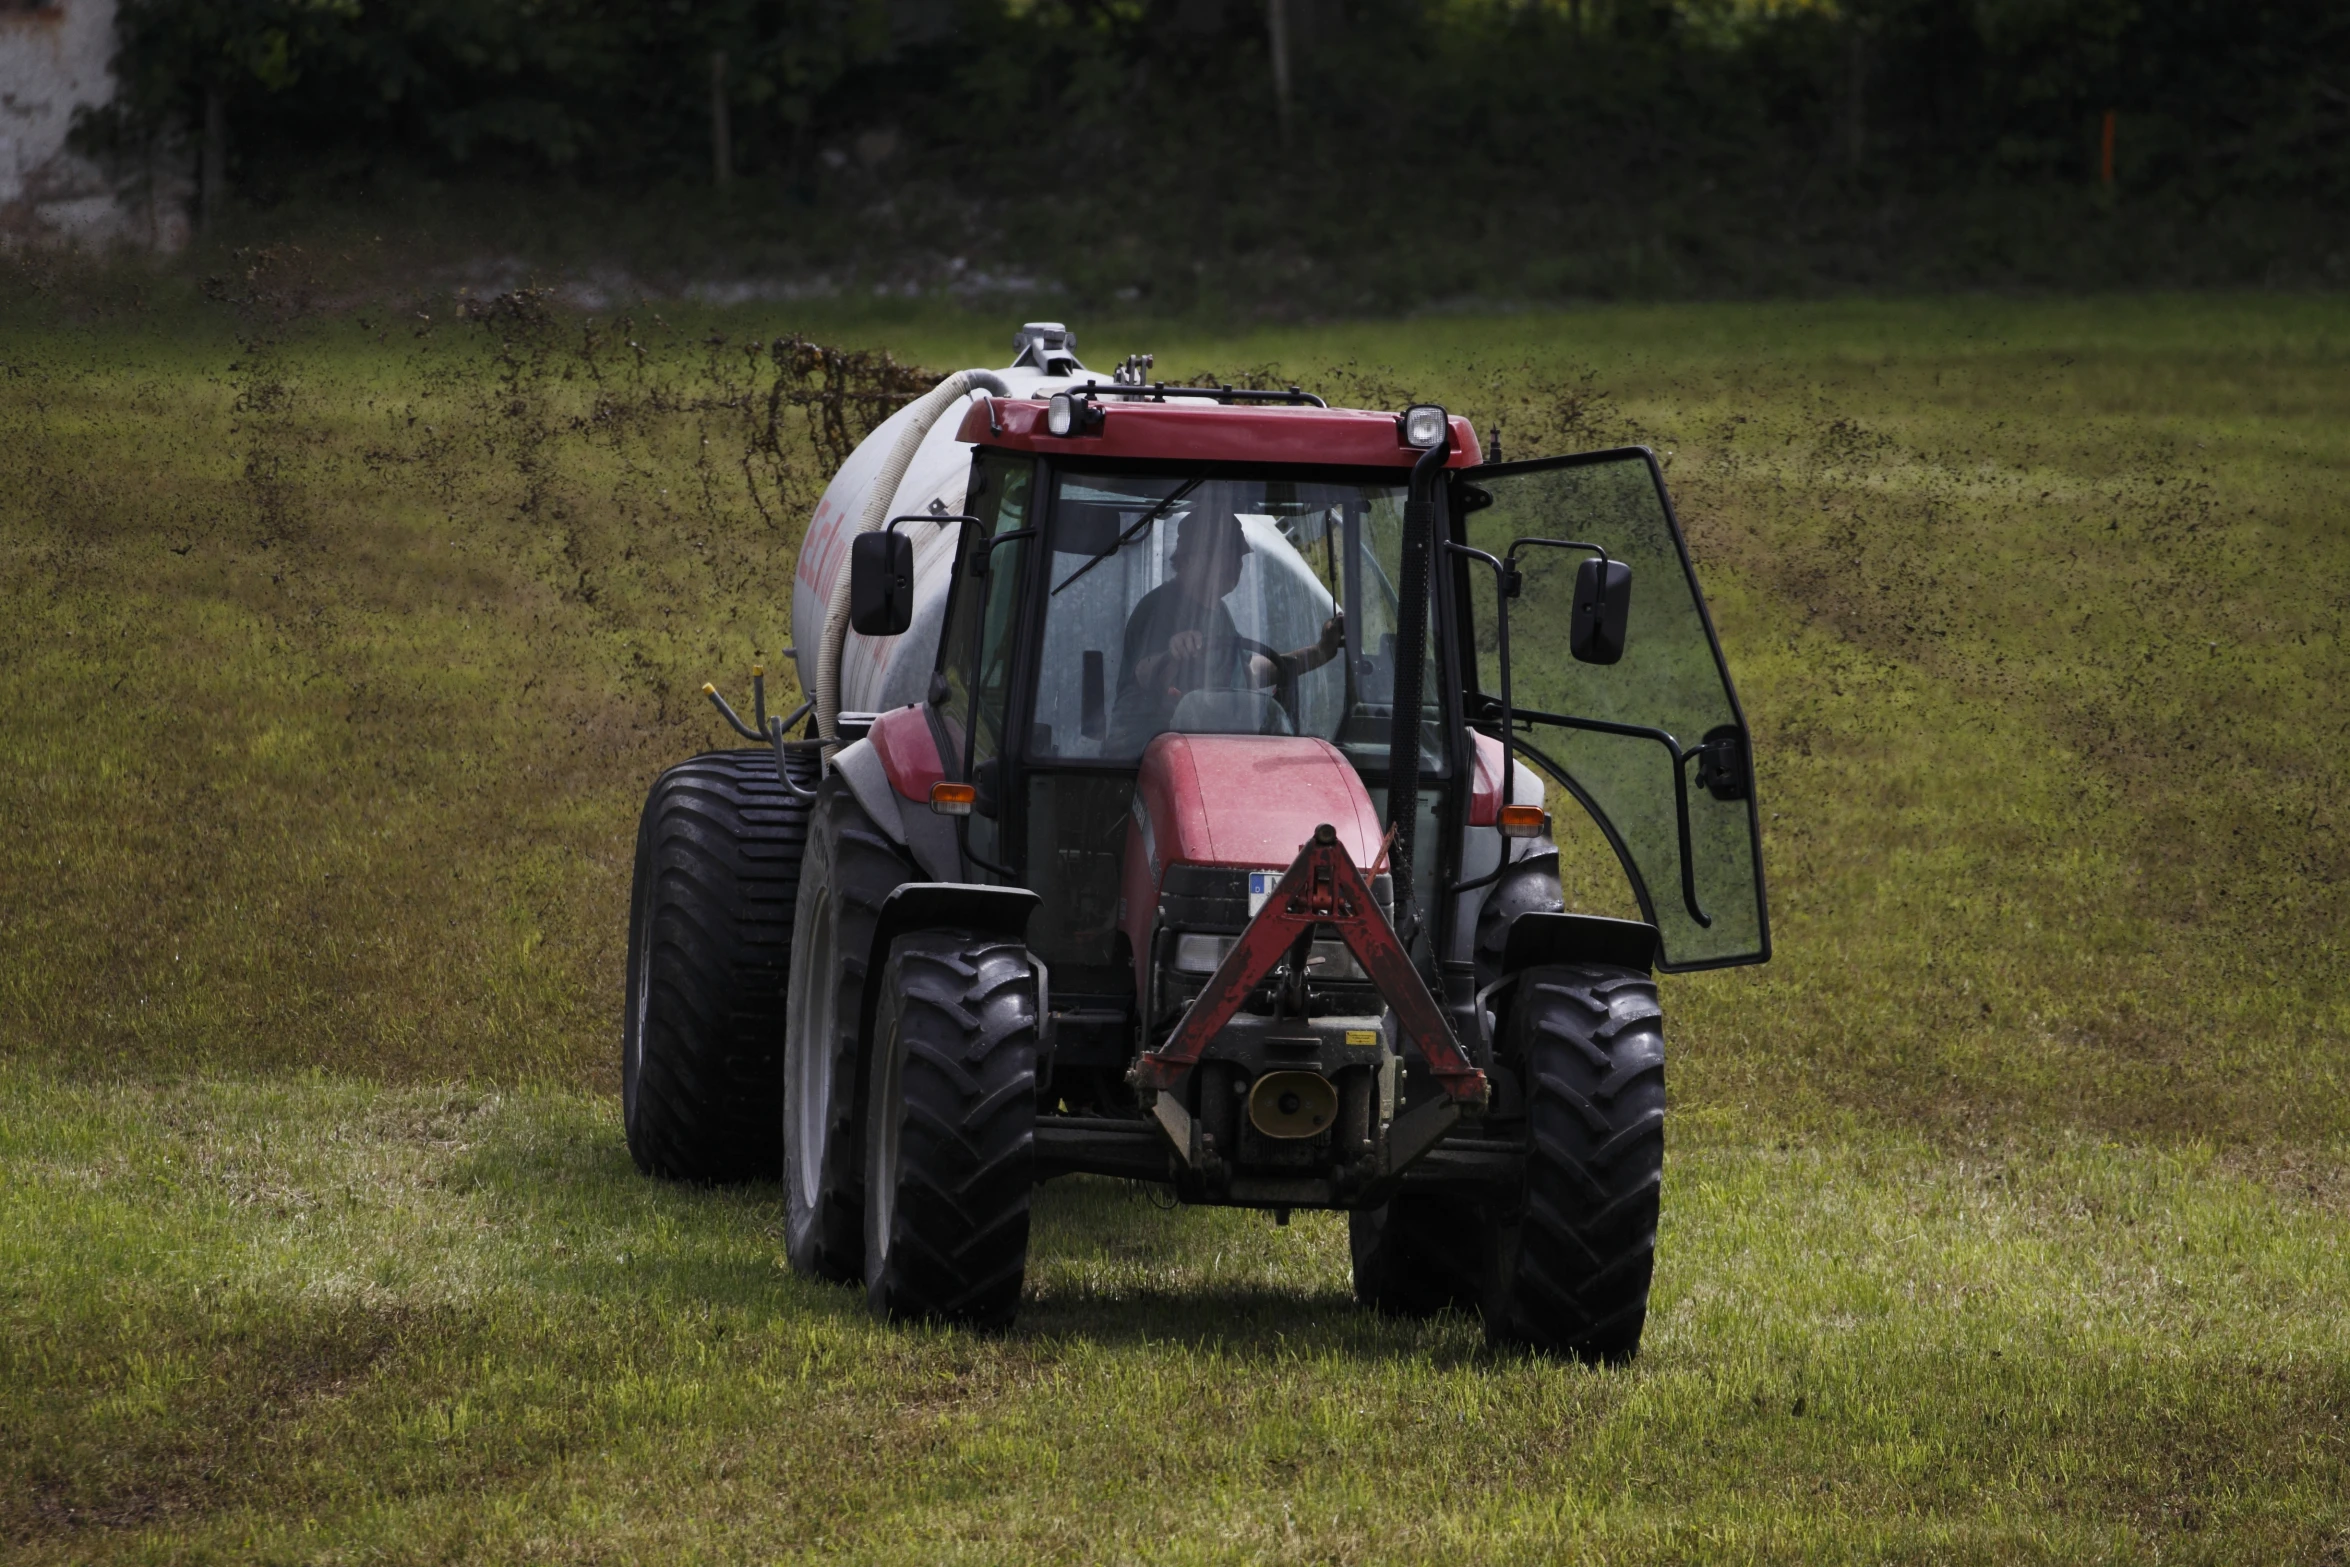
x=950 y=1145
x=1571 y=1265
x=850 y=871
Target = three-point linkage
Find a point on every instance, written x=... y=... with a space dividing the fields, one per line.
x=1322 y=887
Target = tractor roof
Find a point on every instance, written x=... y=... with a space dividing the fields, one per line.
x=1189 y=431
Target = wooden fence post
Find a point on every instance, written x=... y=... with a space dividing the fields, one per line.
x=721 y=128
x=1277 y=24
x=214 y=192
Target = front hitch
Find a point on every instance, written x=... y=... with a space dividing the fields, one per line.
x=1321 y=887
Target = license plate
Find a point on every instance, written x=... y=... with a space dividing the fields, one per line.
x=1260 y=887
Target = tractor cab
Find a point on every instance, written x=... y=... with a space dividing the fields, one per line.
x=1218 y=852
x=1175 y=585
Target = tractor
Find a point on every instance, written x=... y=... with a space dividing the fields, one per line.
x=1173 y=803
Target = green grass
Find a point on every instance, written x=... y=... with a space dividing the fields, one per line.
x=342 y=1320
x=2005 y=1210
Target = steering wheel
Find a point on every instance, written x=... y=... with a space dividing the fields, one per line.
x=1284 y=678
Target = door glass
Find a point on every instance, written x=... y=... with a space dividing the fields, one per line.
x=976 y=648
x=999 y=499
x=1670 y=683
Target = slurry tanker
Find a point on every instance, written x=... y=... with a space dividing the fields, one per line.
x=1173 y=803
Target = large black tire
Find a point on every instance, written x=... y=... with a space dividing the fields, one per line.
x=950 y=1148
x=1422 y=1253
x=1432 y=1251
x=717 y=875
x=1572 y=1263
x=851 y=868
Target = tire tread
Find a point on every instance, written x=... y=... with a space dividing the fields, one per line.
x=717 y=871
x=1572 y=1273
x=961 y=1012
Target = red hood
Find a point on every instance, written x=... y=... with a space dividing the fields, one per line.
x=1248 y=800
x=1240 y=800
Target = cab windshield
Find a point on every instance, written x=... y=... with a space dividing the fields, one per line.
x=1220 y=605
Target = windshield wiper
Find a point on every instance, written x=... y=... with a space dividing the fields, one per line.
x=1129 y=536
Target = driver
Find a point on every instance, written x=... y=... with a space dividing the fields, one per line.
x=1181 y=638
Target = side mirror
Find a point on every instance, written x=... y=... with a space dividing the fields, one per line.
x=1603 y=603
x=984 y=779
x=881 y=583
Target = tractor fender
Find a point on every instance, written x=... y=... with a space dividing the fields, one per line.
x=982 y=910
x=1538 y=938
x=1485 y=784
x=926 y=835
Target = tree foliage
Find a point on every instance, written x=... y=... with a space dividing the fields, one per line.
x=1412 y=128
x=618 y=88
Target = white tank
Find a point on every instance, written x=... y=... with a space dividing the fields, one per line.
x=879 y=673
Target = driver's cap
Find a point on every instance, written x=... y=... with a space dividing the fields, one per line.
x=1217 y=531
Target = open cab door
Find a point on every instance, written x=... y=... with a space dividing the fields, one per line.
x=1593 y=637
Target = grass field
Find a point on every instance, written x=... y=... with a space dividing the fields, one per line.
x=2005 y=1213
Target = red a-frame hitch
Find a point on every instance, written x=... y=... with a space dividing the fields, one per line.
x=1321 y=887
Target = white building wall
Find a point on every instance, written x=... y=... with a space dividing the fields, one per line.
x=54 y=59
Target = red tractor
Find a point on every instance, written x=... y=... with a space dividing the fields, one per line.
x=1093 y=854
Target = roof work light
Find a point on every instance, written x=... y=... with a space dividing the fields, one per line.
x=1067 y=415
x=1423 y=426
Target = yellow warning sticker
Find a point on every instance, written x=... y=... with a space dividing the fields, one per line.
x=1362 y=1036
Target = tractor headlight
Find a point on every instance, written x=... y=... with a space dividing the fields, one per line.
x=1196 y=953
x=1199 y=953
x=1060 y=415
x=1423 y=426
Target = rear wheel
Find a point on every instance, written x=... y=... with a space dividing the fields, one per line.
x=1571 y=1265
x=851 y=868
x=950 y=1147
x=717 y=875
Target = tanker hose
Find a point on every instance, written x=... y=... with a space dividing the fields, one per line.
x=927 y=411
